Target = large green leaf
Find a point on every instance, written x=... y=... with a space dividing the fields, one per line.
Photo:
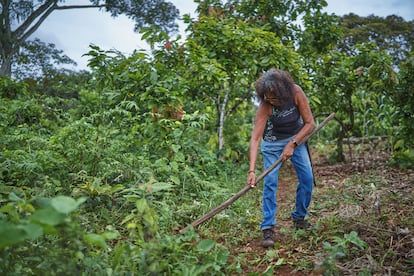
x=95 y=239
x=14 y=197
x=205 y=245
x=33 y=231
x=48 y=216
x=10 y=234
x=65 y=205
x=159 y=186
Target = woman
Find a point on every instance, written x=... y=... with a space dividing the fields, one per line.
x=283 y=120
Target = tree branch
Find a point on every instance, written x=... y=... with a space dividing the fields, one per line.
x=236 y=104
x=42 y=13
x=79 y=7
x=29 y=21
x=29 y=32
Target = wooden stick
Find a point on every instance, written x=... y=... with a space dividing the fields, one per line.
x=228 y=202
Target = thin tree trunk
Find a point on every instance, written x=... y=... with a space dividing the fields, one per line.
x=340 y=146
x=222 y=119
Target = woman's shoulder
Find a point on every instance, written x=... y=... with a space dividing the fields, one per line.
x=265 y=109
x=297 y=89
x=298 y=93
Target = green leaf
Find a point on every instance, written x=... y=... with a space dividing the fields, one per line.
x=128 y=218
x=160 y=186
x=10 y=234
x=47 y=216
x=280 y=261
x=65 y=204
x=269 y=270
x=14 y=197
x=95 y=239
x=175 y=179
x=142 y=205
x=175 y=148
x=223 y=256
x=110 y=235
x=149 y=219
x=41 y=202
x=355 y=239
x=8 y=208
x=205 y=245
x=33 y=231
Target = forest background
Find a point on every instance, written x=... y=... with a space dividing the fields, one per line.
x=100 y=168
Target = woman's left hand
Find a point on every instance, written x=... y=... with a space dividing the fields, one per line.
x=288 y=151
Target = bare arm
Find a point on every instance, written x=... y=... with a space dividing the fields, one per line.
x=306 y=113
x=308 y=122
x=262 y=114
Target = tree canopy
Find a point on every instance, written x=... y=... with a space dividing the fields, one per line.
x=391 y=33
x=20 y=19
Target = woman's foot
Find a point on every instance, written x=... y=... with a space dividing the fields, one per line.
x=301 y=224
x=268 y=238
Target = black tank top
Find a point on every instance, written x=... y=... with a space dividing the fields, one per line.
x=284 y=123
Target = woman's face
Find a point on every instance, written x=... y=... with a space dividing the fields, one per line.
x=271 y=99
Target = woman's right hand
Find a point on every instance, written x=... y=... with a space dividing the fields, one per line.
x=251 y=179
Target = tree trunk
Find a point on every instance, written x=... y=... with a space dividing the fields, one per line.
x=5 y=69
x=5 y=41
x=340 y=146
x=222 y=119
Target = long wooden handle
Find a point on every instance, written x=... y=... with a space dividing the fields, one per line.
x=228 y=202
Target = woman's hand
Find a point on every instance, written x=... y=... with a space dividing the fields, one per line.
x=288 y=151
x=251 y=179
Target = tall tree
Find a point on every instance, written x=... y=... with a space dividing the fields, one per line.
x=403 y=98
x=20 y=19
x=321 y=33
x=348 y=84
x=225 y=57
x=282 y=16
x=392 y=34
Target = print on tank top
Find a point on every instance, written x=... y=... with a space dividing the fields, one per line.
x=284 y=123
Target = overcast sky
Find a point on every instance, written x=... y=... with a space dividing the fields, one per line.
x=74 y=30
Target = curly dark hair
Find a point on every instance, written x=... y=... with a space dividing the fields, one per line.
x=277 y=84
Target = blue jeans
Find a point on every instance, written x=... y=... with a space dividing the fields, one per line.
x=271 y=152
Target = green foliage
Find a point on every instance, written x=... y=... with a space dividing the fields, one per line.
x=38 y=60
x=320 y=35
x=231 y=54
x=10 y=89
x=403 y=116
x=280 y=16
x=344 y=247
x=60 y=84
x=343 y=81
x=403 y=158
x=185 y=255
x=20 y=220
x=99 y=171
x=39 y=224
x=391 y=33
